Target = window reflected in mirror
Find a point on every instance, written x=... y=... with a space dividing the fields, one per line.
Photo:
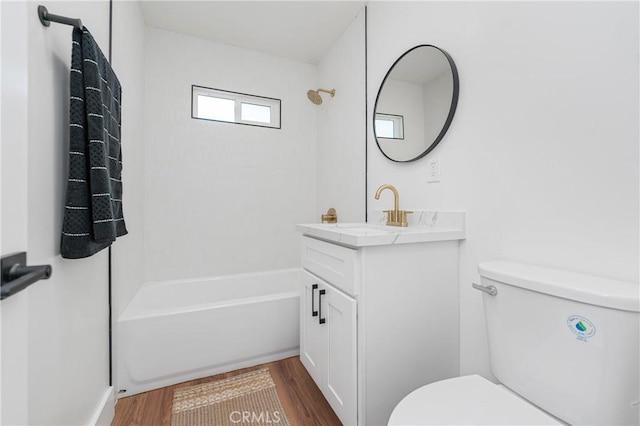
x=389 y=126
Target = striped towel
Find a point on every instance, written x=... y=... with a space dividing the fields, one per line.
x=93 y=211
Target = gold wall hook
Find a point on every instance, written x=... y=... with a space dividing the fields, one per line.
x=330 y=217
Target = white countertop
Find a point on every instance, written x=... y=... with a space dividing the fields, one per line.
x=376 y=234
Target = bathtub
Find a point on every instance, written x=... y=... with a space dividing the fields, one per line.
x=173 y=331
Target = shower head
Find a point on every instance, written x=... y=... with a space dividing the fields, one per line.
x=314 y=95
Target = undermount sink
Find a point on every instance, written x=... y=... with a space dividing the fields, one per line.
x=360 y=228
x=429 y=226
x=372 y=228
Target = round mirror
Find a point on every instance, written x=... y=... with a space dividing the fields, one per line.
x=416 y=103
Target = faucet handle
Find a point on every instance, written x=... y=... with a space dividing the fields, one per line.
x=402 y=217
x=391 y=216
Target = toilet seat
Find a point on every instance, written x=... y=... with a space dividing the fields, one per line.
x=469 y=400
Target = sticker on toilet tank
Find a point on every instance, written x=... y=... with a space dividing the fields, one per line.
x=581 y=327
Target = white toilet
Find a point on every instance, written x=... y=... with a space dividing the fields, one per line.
x=564 y=346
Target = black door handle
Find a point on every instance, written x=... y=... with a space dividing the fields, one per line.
x=16 y=276
x=314 y=313
x=321 y=293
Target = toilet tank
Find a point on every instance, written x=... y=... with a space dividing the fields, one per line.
x=567 y=342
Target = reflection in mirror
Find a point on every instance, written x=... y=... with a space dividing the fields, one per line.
x=389 y=126
x=416 y=103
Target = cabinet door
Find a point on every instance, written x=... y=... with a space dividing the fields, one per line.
x=339 y=312
x=312 y=334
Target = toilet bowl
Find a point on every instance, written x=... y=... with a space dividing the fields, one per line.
x=565 y=347
x=467 y=400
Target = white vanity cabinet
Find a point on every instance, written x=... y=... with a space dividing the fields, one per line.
x=379 y=320
x=328 y=343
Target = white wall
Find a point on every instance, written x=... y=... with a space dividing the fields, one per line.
x=543 y=151
x=128 y=61
x=341 y=126
x=128 y=258
x=68 y=361
x=14 y=311
x=436 y=95
x=224 y=198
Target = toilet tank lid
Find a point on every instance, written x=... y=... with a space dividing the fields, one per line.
x=594 y=290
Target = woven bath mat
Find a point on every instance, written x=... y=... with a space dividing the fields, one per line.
x=248 y=398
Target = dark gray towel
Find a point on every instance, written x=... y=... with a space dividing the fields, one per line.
x=93 y=212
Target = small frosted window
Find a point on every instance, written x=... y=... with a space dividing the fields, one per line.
x=234 y=107
x=257 y=113
x=213 y=108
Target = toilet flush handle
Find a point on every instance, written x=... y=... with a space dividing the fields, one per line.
x=490 y=290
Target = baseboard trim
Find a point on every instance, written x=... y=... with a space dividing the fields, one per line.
x=106 y=409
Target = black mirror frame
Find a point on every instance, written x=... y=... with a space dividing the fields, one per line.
x=452 y=109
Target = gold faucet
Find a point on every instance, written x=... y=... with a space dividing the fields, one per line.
x=395 y=217
x=330 y=217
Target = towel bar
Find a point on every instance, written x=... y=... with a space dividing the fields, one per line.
x=47 y=18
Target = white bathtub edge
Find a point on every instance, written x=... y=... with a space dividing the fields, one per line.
x=126 y=316
x=210 y=372
x=219 y=277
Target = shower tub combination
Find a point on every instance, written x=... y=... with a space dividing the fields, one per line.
x=173 y=331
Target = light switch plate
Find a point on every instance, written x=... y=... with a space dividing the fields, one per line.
x=433 y=170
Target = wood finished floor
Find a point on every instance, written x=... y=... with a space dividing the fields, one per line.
x=301 y=399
